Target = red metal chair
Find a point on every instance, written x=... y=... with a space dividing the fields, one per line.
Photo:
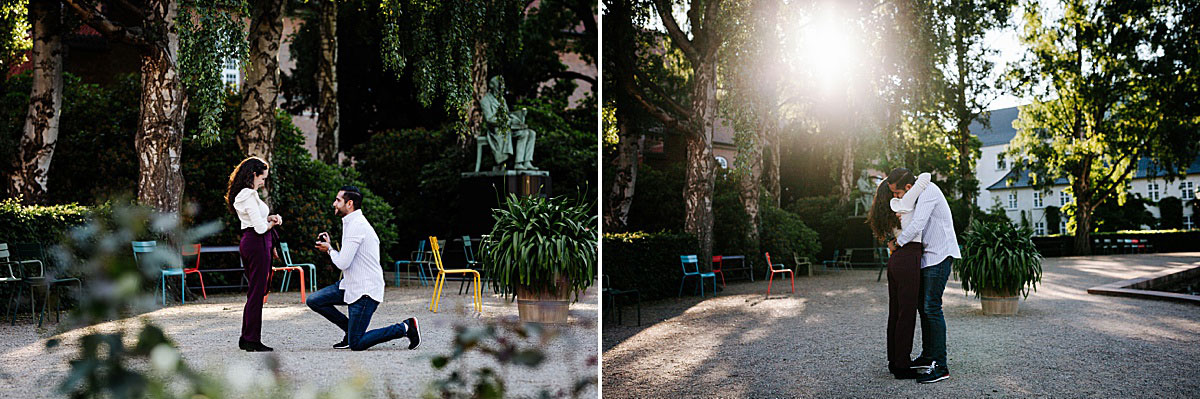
x=781 y=269
x=194 y=251
x=717 y=269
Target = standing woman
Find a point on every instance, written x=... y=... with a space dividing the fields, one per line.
x=241 y=197
x=904 y=282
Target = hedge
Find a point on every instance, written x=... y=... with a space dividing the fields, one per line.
x=36 y=223
x=647 y=262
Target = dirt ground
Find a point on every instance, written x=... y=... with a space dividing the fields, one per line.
x=827 y=340
x=207 y=331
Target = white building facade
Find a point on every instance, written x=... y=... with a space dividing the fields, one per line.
x=998 y=184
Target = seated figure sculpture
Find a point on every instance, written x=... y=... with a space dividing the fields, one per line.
x=502 y=127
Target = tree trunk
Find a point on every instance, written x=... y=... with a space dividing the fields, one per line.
x=847 y=175
x=159 y=140
x=327 y=103
x=698 y=188
x=32 y=163
x=625 y=167
x=260 y=88
x=771 y=162
x=751 y=184
x=479 y=77
x=964 y=116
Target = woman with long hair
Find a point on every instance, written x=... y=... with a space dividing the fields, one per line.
x=903 y=269
x=258 y=235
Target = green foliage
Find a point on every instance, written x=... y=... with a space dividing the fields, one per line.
x=999 y=257
x=566 y=143
x=647 y=262
x=210 y=32
x=95 y=139
x=658 y=204
x=731 y=224
x=1170 y=213
x=437 y=40
x=537 y=241
x=302 y=191
x=1112 y=215
x=14 y=37
x=785 y=235
x=37 y=223
x=825 y=215
x=515 y=344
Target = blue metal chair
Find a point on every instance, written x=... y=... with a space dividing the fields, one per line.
x=837 y=260
x=685 y=260
x=146 y=247
x=287 y=261
x=415 y=258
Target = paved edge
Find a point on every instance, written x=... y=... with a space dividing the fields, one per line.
x=1139 y=287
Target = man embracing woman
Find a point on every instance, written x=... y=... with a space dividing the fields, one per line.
x=911 y=214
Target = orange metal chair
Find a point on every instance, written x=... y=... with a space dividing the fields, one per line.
x=194 y=250
x=441 y=279
x=290 y=268
x=781 y=269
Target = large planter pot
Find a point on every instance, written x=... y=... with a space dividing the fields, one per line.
x=998 y=303
x=543 y=306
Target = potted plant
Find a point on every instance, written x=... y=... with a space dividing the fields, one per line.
x=999 y=262
x=541 y=251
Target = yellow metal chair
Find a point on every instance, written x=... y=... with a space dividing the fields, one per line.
x=441 y=279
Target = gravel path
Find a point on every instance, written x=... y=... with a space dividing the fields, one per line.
x=207 y=333
x=828 y=340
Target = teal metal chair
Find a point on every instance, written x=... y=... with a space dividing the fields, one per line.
x=469 y=253
x=881 y=256
x=148 y=247
x=34 y=253
x=287 y=261
x=414 y=258
x=12 y=276
x=686 y=260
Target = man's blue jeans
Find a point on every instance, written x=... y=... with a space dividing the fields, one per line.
x=933 y=322
x=355 y=326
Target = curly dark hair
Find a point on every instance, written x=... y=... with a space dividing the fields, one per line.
x=881 y=218
x=243 y=177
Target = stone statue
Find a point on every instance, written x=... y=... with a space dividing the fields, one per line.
x=502 y=126
x=866 y=192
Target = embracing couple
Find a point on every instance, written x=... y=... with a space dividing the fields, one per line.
x=360 y=289
x=911 y=214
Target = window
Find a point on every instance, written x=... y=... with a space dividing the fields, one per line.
x=723 y=162
x=1152 y=191
x=1037 y=200
x=230 y=73
x=1012 y=200
x=1187 y=223
x=1039 y=229
x=1062 y=227
x=1000 y=164
x=1064 y=198
x=1187 y=190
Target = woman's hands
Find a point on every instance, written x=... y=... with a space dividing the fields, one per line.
x=275 y=220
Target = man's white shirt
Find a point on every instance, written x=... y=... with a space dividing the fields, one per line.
x=932 y=220
x=359 y=259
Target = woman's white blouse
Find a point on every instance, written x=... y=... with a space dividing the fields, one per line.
x=904 y=206
x=251 y=210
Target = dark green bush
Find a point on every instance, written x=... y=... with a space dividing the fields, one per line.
x=36 y=223
x=731 y=224
x=827 y=216
x=784 y=234
x=566 y=144
x=1170 y=213
x=647 y=262
x=658 y=199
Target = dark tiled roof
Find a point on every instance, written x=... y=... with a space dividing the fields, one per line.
x=1000 y=131
x=1143 y=171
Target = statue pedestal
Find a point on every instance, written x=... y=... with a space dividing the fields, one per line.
x=484 y=191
